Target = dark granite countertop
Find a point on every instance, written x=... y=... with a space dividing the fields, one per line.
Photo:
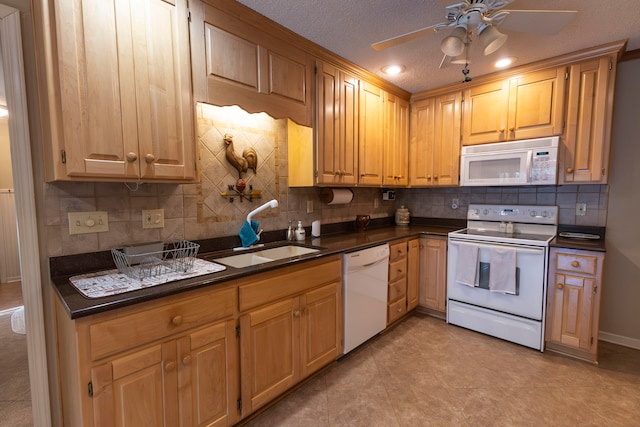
x=77 y=305
x=578 y=243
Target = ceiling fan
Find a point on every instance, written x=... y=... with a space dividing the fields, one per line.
x=480 y=19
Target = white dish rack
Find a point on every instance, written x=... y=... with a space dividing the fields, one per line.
x=174 y=257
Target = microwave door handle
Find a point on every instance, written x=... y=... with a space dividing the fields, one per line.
x=529 y=166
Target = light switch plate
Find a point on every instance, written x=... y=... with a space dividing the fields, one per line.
x=153 y=218
x=88 y=222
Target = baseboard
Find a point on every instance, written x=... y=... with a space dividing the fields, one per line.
x=619 y=339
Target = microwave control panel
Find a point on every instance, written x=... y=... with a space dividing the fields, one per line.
x=544 y=166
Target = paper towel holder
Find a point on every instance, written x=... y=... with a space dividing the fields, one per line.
x=336 y=196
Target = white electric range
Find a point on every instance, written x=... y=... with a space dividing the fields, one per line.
x=510 y=302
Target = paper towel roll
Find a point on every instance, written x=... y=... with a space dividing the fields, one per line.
x=315 y=228
x=336 y=196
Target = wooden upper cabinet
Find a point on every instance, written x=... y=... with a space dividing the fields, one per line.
x=116 y=79
x=434 y=151
x=526 y=106
x=337 y=126
x=247 y=66
x=584 y=156
x=396 y=141
x=370 y=136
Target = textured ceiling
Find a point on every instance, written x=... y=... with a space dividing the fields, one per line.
x=349 y=27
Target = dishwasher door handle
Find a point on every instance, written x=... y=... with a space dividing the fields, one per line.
x=375 y=262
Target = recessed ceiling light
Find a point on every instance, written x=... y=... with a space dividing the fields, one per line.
x=393 y=69
x=505 y=62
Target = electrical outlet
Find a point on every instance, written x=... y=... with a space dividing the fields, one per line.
x=455 y=203
x=88 y=222
x=581 y=209
x=309 y=206
x=153 y=218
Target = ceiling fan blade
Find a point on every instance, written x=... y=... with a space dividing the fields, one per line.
x=546 y=22
x=394 y=41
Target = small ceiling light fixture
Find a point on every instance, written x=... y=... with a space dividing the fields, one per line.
x=393 y=69
x=491 y=39
x=453 y=45
x=505 y=62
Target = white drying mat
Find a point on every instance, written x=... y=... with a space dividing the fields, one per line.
x=106 y=283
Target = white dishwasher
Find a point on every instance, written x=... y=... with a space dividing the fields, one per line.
x=366 y=275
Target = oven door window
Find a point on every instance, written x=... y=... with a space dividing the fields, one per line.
x=485 y=273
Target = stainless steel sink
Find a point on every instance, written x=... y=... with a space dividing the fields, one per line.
x=264 y=256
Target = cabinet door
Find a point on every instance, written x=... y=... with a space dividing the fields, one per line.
x=585 y=153
x=433 y=267
x=421 y=143
x=446 y=144
x=97 y=97
x=337 y=126
x=208 y=376
x=396 y=141
x=321 y=327
x=413 y=274
x=162 y=72
x=370 y=147
x=137 y=389
x=269 y=352
x=536 y=103
x=485 y=113
x=571 y=311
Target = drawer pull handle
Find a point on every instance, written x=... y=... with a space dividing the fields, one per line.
x=559 y=285
x=575 y=264
x=170 y=366
x=186 y=360
x=177 y=320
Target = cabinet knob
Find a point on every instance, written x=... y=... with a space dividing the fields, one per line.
x=569 y=170
x=132 y=157
x=177 y=320
x=149 y=158
x=575 y=264
x=435 y=177
x=559 y=285
x=169 y=366
x=296 y=313
x=428 y=176
x=512 y=129
x=399 y=309
x=186 y=360
x=501 y=130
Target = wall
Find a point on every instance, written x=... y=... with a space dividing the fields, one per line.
x=436 y=202
x=6 y=180
x=620 y=318
x=198 y=211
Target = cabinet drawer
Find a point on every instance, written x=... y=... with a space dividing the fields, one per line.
x=123 y=332
x=397 y=250
x=397 y=309
x=397 y=289
x=577 y=263
x=397 y=269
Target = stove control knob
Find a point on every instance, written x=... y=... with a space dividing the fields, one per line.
x=485 y=212
x=544 y=214
x=533 y=213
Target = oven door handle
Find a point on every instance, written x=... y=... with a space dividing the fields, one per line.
x=537 y=251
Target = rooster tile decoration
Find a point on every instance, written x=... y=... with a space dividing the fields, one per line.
x=248 y=160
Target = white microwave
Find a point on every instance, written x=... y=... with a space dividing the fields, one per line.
x=525 y=162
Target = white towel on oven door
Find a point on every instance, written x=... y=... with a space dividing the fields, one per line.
x=502 y=274
x=467 y=265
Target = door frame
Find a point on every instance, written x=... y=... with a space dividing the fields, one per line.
x=20 y=143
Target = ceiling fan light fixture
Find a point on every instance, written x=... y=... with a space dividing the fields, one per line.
x=453 y=45
x=463 y=58
x=491 y=39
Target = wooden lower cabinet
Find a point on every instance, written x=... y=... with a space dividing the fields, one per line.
x=413 y=274
x=573 y=302
x=404 y=266
x=292 y=328
x=167 y=362
x=433 y=274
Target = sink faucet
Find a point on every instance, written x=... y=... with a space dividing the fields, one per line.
x=270 y=204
